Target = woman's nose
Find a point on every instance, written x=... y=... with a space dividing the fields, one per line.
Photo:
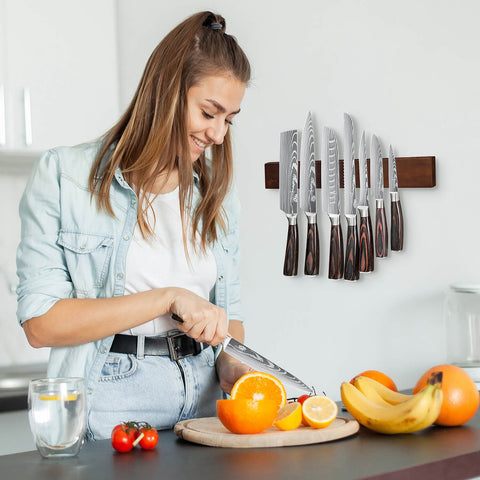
x=216 y=133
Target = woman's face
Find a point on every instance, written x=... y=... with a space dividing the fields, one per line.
x=211 y=106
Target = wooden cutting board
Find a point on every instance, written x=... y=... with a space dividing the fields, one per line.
x=210 y=431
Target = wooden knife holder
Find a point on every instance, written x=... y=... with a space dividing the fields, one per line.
x=412 y=172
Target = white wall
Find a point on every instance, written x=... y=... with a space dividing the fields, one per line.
x=407 y=71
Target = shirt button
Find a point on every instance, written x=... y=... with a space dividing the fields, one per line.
x=89 y=391
x=134 y=201
x=103 y=350
x=220 y=277
x=126 y=238
x=120 y=276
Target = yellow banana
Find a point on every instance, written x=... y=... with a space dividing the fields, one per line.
x=416 y=413
x=379 y=393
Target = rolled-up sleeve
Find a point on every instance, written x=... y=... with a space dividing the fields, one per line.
x=41 y=266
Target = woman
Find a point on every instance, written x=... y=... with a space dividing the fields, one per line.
x=119 y=234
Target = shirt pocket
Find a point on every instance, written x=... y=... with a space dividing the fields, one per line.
x=87 y=257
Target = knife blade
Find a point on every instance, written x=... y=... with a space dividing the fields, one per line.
x=396 y=224
x=289 y=196
x=381 y=233
x=331 y=202
x=366 y=260
x=351 y=251
x=259 y=363
x=308 y=196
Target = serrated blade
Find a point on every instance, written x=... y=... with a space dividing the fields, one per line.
x=308 y=197
x=289 y=172
x=330 y=174
x=392 y=171
x=349 y=167
x=376 y=168
x=363 y=172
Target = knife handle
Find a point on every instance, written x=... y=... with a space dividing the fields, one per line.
x=397 y=222
x=351 y=252
x=335 y=268
x=312 y=254
x=381 y=233
x=290 y=266
x=366 y=261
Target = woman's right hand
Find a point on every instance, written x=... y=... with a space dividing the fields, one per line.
x=202 y=320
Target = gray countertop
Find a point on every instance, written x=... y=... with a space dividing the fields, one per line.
x=437 y=452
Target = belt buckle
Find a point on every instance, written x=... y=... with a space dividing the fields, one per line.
x=173 y=349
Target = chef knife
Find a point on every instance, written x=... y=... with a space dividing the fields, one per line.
x=381 y=233
x=308 y=197
x=254 y=360
x=351 y=251
x=289 y=196
x=366 y=260
x=331 y=202
x=396 y=225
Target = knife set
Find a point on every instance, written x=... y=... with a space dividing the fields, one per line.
x=361 y=246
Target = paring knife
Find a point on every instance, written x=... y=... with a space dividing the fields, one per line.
x=396 y=225
x=366 y=262
x=331 y=202
x=381 y=233
x=308 y=197
x=289 y=196
x=254 y=360
x=351 y=251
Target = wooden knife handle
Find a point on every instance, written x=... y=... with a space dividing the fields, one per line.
x=290 y=265
x=351 y=253
x=381 y=233
x=366 y=261
x=312 y=254
x=335 y=264
x=397 y=225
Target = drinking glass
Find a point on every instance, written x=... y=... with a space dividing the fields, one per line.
x=57 y=414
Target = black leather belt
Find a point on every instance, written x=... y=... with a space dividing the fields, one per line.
x=175 y=346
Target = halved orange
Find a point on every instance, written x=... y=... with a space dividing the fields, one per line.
x=246 y=416
x=259 y=386
x=319 y=411
x=289 y=416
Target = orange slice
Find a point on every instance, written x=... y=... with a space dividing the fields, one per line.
x=319 y=411
x=289 y=416
x=259 y=386
x=246 y=416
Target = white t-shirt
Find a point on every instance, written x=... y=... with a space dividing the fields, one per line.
x=161 y=262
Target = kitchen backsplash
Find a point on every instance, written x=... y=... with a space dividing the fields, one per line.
x=14 y=348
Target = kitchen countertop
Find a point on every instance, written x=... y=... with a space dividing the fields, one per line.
x=435 y=453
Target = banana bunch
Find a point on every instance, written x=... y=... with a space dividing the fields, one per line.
x=385 y=411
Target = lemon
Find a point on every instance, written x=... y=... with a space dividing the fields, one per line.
x=289 y=416
x=319 y=411
x=71 y=396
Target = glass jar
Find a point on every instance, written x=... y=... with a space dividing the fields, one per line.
x=462 y=316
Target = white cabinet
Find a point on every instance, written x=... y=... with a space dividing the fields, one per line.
x=58 y=73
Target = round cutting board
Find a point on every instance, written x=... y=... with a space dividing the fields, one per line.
x=210 y=431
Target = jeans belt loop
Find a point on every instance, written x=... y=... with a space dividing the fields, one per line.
x=141 y=347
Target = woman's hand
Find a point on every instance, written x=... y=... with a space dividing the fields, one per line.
x=229 y=370
x=202 y=320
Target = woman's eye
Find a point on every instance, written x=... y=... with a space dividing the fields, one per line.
x=228 y=121
x=207 y=115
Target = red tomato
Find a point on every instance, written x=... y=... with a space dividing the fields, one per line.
x=121 y=440
x=149 y=439
x=302 y=398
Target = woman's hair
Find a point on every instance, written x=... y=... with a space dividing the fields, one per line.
x=151 y=137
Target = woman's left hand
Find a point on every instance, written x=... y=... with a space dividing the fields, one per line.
x=229 y=370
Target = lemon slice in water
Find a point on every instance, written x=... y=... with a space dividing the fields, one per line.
x=65 y=398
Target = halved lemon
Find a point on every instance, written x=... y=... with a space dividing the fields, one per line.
x=319 y=411
x=289 y=416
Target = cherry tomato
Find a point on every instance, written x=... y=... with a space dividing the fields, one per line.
x=150 y=437
x=121 y=440
x=302 y=398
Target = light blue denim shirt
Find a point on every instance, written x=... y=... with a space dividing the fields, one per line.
x=70 y=249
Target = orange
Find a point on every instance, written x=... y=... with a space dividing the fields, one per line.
x=259 y=386
x=246 y=416
x=460 y=395
x=379 y=377
x=289 y=416
x=319 y=411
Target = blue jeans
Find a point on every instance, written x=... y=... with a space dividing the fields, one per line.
x=152 y=389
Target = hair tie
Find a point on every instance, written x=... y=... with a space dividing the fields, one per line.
x=216 y=26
